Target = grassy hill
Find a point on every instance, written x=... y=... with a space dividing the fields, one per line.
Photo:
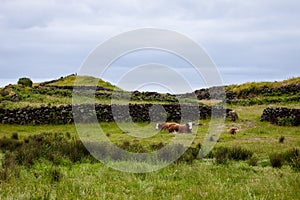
x=81 y=81
x=264 y=92
x=59 y=92
x=256 y=87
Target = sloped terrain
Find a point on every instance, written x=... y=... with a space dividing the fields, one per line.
x=59 y=92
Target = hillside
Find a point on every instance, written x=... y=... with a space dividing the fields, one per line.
x=286 y=91
x=59 y=92
x=257 y=92
x=81 y=80
x=262 y=88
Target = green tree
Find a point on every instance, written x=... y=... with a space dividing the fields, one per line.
x=25 y=82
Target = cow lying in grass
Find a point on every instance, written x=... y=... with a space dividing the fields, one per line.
x=185 y=128
x=233 y=115
x=233 y=130
x=164 y=126
x=175 y=127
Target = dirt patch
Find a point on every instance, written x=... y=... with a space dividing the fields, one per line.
x=257 y=139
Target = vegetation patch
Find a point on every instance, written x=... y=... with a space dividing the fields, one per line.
x=223 y=154
x=25 y=82
x=287 y=121
x=276 y=160
x=292 y=157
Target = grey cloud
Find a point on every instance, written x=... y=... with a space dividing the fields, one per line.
x=52 y=38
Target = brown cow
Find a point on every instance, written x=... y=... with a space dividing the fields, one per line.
x=233 y=115
x=164 y=126
x=233 y=130
x=186 y=128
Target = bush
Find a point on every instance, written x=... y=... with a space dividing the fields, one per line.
x=291 y=154
x=53 y=147
x=276 y=160
x=238 y=153
x=25 y=82
x=287 y=121
x=223 y=154
x=292 y=157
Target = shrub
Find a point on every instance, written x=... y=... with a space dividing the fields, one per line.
x=276 y=160
x=291 y=154
x=25 y=82
x=238 y=153
x=53 y=147
x=292 y=157
x=287 y=121
x=223 y=154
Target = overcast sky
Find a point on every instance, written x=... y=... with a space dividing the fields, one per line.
x=247 y=40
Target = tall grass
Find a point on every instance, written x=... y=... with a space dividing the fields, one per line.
x=77 y=177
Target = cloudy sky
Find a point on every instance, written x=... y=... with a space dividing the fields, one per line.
x=247 y=40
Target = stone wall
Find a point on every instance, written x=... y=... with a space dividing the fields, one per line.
x=97 y=88
x=290 y=89
x=274 y=115
x=104 y=113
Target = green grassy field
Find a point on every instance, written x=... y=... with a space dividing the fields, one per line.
x=202 y=179
x=50 y=162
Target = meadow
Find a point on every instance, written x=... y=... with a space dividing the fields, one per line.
x=213 y=177
x=261 y=161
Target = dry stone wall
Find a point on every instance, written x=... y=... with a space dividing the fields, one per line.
x=105 y=113
x=281 y=116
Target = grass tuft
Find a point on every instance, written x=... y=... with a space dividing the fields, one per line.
x=281 y=139
x=276 y=160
